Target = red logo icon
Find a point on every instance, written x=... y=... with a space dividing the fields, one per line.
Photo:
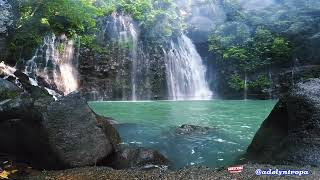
x=235 y=169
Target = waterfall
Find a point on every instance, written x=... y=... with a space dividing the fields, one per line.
x=295 y=66
x=271 y=85
x=55 y=61
x=6 y=70
x=134 y=69
x=185 y=71
x=245 y=86
x=129 y=39
x=122 y=31
x=139 y=65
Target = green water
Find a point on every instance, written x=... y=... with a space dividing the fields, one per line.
x=152 y=124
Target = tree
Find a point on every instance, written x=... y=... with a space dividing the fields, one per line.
x=260 y=51
x=37 y=18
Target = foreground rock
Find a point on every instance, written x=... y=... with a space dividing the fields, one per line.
x=288 y=78
x=52 y=134
x=191 y=129
x=291 y=133
x=135 y=157
x=196 y=173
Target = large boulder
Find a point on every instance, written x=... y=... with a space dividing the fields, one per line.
x=73 y=130
x=287 y=78
x=52 y=134
x=291 y=133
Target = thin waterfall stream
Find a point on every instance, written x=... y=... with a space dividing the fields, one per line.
x=55 y=62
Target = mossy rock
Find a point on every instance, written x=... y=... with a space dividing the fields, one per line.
x=8 y=90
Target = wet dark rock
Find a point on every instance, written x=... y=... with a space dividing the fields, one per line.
x=43 y=83
x=110 y=120
x=192 y=129
x=35 y=91
x=23 y=79
x=136 y=157
x=291 y=133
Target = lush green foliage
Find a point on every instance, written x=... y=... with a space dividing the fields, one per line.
x=37 y=18
x=159 y=17
x=236 y=83
x=262 y=82
x=246 y=52
x=262 y=50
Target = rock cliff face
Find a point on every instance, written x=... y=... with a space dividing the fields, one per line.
x=6 y=21
x=6 y=16
x=126 y=66
x=290 y=135
x=108 y=77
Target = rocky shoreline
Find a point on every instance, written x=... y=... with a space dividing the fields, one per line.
x=196 y=173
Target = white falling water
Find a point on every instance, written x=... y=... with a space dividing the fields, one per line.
x=7 y=70
x=125 y=32
x=245 y=91
x=54 y=62
x=295 y=67
x=134 y=52
x=184 y=69
x=271 y=84
x=186 y=72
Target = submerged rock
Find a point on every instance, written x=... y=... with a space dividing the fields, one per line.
x=53 y=134
x=291 y=133
x=136 y=157
x=191 y=129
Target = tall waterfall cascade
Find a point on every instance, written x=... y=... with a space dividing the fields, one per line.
x=124 y=32
x=129 y=37
x=271 y=84
x=186 y=72
x=56 y=62
x=245 y=89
